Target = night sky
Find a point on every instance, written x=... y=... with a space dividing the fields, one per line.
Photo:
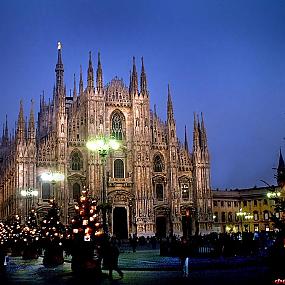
x=223 y=58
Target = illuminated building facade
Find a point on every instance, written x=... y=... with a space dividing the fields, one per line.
x=155 y=184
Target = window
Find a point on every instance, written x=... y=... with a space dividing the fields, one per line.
x=185 y=191
x=255 y=216
x=118 y=168
x=266 y=215
x=265 y=202
x=229 y=203
x=76 y=191
x=159 y=192
x=46 y=193
x=157 y=164
x=117 y=126
x=255 y=203
x=230 y=217
x=76 y=162
x=277 y=215
x=215 y=204
x=256 y=228
x=235 y=203
x=244 y=203
x=222 y=203
x=223 y=216
x=267 y=229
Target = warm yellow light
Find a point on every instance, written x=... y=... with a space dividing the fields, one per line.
x=52 y=176
x=114 y=144
x=102 y=144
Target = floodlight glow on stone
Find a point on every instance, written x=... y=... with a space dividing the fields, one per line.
x=114 y=144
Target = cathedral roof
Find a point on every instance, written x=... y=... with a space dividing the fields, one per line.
x=116 y=90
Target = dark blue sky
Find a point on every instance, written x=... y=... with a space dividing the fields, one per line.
x=223 y=58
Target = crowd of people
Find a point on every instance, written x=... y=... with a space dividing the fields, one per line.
x=104 y=254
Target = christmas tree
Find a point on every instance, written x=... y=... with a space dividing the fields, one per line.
x=86 y=225
x=15 y=240
x=4 y=233
x=86 y=232
x=30 y=236
x=53 y=232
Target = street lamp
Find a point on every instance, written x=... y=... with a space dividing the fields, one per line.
x=29 y=193
x=273 y=195
x=248 y=217
x=241 y=215
x=103 y=145
x=53 y=178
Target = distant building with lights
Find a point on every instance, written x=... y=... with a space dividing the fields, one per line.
x=154 y=183
x=254 y=201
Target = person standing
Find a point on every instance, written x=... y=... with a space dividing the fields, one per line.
x=111 y=258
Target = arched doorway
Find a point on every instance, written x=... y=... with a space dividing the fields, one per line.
x=76 y=192
x=120 y=223
x=161 y=227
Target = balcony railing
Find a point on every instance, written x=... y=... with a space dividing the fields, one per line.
x=123 y=182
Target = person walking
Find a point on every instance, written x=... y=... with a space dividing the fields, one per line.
x=111 y=258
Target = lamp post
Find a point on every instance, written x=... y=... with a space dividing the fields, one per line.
x=53 y=178
x=248 y=217
x=103 y=145
x=29 y=193
x=241 y=216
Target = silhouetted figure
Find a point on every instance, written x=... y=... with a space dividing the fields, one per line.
x=111 y=257
x=2 y=259
x=133 y=242
x=153 y=242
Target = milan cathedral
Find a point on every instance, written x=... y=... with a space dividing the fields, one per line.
x=154 y=183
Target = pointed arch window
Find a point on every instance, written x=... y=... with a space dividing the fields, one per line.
x=46 y=191
x=76 y=161
x=159 y=192
x=76 y=191
x=117 y=126
x=157 y=164
x=119 y=169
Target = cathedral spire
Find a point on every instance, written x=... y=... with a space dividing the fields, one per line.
x=204 y=142
x=21 y=123
x=170 y=116
x=59 y=69
x=196 y=143
x=134 y=79
x=5 y=137
x=31 y=127
x=90 y=74
x=143 y=80
x=99 y=76
x=185 y=140
x=154 y=107
x=281 y=171
x=74 y=88
x=80 y=82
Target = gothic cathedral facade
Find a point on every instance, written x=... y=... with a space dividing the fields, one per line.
x=154 y=183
